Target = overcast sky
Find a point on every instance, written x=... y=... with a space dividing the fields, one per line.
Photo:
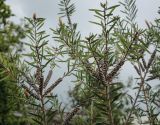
x=49 y=9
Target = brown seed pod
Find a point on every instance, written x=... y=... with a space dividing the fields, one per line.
x=38 y=75
x=31 y=82
x=71 y=115
x=52 y=86
x=90 y=69
x=47 y=78
x=34 y=16
x=103 y=66
x=29 y=92
x=115 y=70
x=41 y=85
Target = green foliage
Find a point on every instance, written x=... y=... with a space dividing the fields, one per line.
x=99 y=97
x=130 y=10
x=99 y=58
x=9 y=32
x=91 y=95
x=66 y=9
x=44 y=106
x=12 y=109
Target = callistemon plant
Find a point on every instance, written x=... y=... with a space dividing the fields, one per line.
x=100 y=58
x=96 y=61
x=37 y=86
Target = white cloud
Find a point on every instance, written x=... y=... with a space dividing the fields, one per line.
x=49 y=9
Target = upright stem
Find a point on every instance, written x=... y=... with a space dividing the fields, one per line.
x=91 y=112
x=43 y=111
x=106 y=36
x=108 y=99
x=133 y=106
x=139 y=90
x=144 y=92
x=39 y=76
x=68 y=16
x=109 y=104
